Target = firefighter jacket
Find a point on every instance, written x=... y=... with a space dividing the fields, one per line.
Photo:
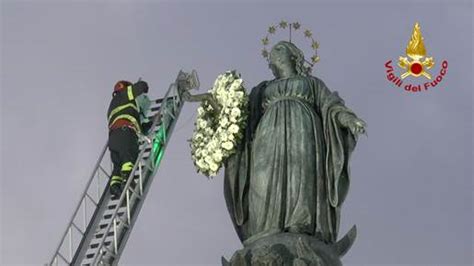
x=130 y=107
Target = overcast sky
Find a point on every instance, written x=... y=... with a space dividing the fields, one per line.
x=411 y=190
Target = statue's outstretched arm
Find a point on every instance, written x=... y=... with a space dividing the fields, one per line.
x=345 y=117
x=356 y=125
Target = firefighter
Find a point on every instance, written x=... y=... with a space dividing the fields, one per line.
x=127 y=121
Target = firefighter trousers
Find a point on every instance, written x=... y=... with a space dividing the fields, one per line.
x=123 y=147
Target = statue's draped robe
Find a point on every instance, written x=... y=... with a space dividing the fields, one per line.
x=290 y=172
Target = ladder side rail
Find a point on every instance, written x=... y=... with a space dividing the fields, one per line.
x=157 y=120
x=139 y=204
x=83 y=247
x=80 y=202
x=117 y=207
x=158 y=115
x=96 y=220
x=167 y=126
x=90 y=231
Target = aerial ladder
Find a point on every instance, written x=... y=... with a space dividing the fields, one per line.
x=100 y=226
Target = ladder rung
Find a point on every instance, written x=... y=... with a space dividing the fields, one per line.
x=105 y=248
x=96 y=245
x=120 y=212
x=100 y=235
x=103 y=226
x=108 y=216
x=90 y=255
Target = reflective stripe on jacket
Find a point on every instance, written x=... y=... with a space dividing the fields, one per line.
x=124 y=106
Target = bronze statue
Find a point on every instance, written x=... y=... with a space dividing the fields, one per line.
x=290 y=174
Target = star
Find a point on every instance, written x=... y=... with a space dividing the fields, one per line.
x=271 y=29
x=283 y=24
x=314 y=58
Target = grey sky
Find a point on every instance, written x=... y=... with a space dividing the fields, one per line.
x=411 y=191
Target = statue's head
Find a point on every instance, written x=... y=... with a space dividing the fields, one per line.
x=287 y=59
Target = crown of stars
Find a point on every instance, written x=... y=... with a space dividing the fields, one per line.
x=295 y=26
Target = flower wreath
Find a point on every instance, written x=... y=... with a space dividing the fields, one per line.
x=217 y=132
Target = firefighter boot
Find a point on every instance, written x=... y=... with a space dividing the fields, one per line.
x=116 y=186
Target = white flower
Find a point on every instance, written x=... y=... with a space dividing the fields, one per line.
x=224 y=137
x=202 y=124
x=235 y=112
x=201 y=164
x=233 y=87
x=228 y=145
x=239 y=95
x=224 y=122
x=198 y=137
x=208 y=160
x=209 y=108
x=217 y=156
x=236 y=85
x=212 y=146
x=200 y=110
x=229 y=77
x=238 y=82
x=234 y=128
x=235 y=104
x=197 y=153
x=213 y=167
x=209 y=132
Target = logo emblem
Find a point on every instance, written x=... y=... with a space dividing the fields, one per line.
x=417 y=52
x=416 y=64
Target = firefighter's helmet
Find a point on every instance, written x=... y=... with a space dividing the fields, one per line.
x=121 y=85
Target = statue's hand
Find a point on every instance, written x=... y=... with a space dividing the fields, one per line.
x=356 y=125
